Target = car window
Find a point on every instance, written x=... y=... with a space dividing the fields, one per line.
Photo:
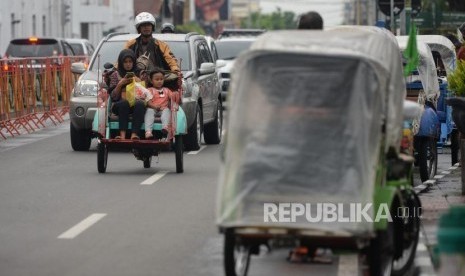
x=28 y=48
x=108 y=52
x=68 y=50
x=199 y=57
x=231 y=49
x=180 y=50
x=205 y=52
x=77 y=48
x=214 y=51
x=90 y=49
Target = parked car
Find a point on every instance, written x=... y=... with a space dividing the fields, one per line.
x=229 y=45
x=81 y=47
x=201 y=100
x=40 y=47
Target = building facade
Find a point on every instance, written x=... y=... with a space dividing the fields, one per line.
x=63 y=18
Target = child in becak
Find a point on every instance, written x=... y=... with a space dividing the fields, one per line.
x=159 y=105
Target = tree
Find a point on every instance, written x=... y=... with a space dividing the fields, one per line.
x=190 y=27
x=275 y=21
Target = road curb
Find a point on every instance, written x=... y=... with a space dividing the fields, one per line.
x=425 y=186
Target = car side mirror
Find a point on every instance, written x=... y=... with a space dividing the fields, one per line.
x=220 y=63
x=207 y=68
x=108 y=66
x=78 y=67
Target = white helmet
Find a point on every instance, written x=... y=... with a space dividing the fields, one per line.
x=144 y=17
x=167 y=27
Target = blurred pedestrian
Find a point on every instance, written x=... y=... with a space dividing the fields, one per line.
x=311 y=20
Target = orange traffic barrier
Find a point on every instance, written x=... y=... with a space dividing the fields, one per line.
x=33 y=91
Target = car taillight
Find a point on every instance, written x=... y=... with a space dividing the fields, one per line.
x=33 y=39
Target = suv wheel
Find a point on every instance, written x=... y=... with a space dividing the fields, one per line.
x=194 y=133
x=212 y=131
x=80 y=139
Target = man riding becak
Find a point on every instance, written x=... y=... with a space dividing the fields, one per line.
x=150 y=52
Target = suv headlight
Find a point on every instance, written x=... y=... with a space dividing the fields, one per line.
x=85 y=88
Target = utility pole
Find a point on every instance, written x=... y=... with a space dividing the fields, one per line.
x=249 y=17
x=393 y=21
x=408 y=17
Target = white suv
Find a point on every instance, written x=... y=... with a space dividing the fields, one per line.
x=201 y=101
x=229 y=45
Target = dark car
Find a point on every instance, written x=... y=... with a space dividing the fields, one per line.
x=201 y=101
x=40 y=48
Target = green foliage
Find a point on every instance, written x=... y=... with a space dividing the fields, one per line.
x=190 y=27
x=277 y=20
x=456 y=80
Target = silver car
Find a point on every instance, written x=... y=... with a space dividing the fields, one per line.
x=201 y=100
x=228 y=49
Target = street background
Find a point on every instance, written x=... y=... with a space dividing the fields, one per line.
x=164 y=228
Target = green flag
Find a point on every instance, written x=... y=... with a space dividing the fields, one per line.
x=411 y=52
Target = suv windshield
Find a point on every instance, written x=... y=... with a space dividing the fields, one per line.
x=39 y=48
x=109 y=52
x=231 y=49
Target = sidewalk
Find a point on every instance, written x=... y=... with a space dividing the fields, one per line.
x=436 y=197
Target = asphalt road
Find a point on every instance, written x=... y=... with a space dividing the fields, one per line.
x=59 y=216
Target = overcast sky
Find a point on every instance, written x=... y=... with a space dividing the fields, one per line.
x=330 y=10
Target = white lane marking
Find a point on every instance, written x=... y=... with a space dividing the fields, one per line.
x=348 y=265
x=445 y=172
x=438 y=176
x=154 y=178
x=423 y=261
x=197 y=151
x=82 y=226
x=421 y=247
